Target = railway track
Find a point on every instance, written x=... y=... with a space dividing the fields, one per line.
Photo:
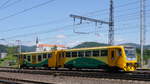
x=7 y=80
x=139 y=76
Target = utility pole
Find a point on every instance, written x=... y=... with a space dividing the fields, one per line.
x=19 y=51
x=142 y=29
x=19 y=45
x=111 y=25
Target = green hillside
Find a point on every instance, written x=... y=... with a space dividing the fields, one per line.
x=3 y=48
x=90 y=44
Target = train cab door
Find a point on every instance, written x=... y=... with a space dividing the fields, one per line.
x=60 y=59
x=34 y=59
x=52 y=59
x=112 y=57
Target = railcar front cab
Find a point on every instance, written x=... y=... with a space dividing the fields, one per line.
x=122 y=58
x=130 y=58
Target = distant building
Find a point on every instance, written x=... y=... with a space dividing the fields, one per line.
x=3 y=55
x=48 y=47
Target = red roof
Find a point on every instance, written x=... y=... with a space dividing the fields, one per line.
x=48 y=45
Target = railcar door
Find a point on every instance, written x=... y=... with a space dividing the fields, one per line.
x=34 y=59
x=60 y=59
x=112 y=57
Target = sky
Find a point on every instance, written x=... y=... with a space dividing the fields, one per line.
x=50 y=21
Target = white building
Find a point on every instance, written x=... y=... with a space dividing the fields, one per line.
x=47 y=47
x=3 y=55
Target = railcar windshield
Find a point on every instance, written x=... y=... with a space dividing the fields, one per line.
x=130 y=53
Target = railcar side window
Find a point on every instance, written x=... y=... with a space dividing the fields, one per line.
x=29 y=58
x=104 y=52
x=45 y=56
x=74 y=54
x=87 y=53
x=119 y=52
x=63 y=54
x=112 y=55
x=68 y=54
x=80 y=53
x=24 y=56
x=95 y=52
x=39 y=58
x=49 y=55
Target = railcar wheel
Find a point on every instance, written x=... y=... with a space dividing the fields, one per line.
x=70 y=68
x=49 y=68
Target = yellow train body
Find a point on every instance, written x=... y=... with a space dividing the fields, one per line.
x=108 y=57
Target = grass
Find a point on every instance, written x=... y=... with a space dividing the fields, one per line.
x=8 y=61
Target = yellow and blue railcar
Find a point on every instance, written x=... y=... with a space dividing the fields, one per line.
x=109 y=57
x=34 y=59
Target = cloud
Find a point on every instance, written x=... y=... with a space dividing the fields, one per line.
x=119 y=40
x=61 y=36
x=74 y=43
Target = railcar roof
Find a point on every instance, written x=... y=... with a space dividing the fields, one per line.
x=36 y=52
x=92 y=48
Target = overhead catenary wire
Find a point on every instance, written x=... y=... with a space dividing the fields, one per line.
x=26 y=10
x=43 y=32
x=31 y=26
x=5 y=3
x=48 y=31
x=34 y=25
x=39 y=32
x=73 y=35
x=105 y=9
x=11 y=4
x=47 y=23
x=127 y=20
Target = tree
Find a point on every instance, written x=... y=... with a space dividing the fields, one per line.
x=54 y=48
